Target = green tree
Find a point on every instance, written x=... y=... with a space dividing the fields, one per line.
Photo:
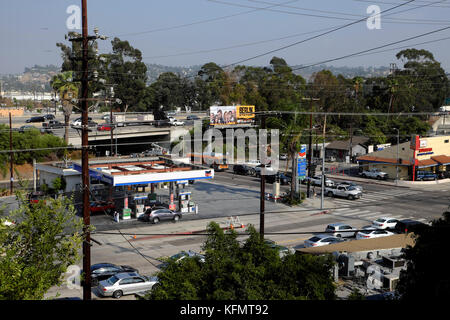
x=244 y=271
x=426 y=278
x=36 y=251
x=67 y=89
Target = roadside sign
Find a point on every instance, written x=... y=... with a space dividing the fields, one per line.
x=301 y=163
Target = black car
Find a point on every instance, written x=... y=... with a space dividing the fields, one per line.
x=36 y=119
x=241 y=169
x=409 y=225
x=103 y=271
x=281 y=177
x=49 y=117
x=192 y=118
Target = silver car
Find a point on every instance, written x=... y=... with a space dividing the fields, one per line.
x=341 y=230
x=125 y=283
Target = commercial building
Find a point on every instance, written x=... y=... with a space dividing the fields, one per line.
x=340 y=150
x=419 y=154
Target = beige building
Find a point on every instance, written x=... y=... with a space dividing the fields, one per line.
x=419 y=154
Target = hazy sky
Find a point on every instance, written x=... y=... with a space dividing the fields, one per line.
x=188 y=32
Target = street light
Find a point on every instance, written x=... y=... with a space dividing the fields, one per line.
x=398 y=142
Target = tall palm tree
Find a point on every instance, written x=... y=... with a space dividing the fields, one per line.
x=67 y=90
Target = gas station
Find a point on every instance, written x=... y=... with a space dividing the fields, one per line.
x=133 y=182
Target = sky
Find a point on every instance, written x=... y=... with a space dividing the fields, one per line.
x=195 y=32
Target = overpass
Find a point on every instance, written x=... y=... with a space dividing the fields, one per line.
x=134 y=137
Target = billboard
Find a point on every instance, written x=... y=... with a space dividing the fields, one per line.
x=231 y=115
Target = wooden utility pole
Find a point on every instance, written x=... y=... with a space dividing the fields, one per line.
x=309 y=144
x=11 y=158
x=85 y=156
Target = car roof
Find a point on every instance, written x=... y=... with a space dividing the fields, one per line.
x=102 y=265
x=338 y=224
x=323 y=236
x=123 y=275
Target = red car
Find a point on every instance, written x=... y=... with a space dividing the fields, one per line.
x=102 y=206
x=105 y=127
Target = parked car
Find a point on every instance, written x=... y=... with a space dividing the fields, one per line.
x=125 y=283
x=242 y=169
x=283 y=156
x=409 y=225
x=192 y=117
x=340 y=230
x=36 y=119
x=317 y=181
x=177 y=123
x=282 y=250
x=102 y=207
x=159 y=213
x=77 y=122
x=105 y=127
x=372 y=233
x=385 y=223
x=187 y=254
x=24 y=128
x=49 y=117
x=103 y=271
x=52 y=124
x=374 y=173
x=352 y=184
x=280 y=176
x=321 y=240
x=426 y=176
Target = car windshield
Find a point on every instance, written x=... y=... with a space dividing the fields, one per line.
x=352 y=188
x=366 y=231
x=112 y=280
x=314 y=239
x=380 y=220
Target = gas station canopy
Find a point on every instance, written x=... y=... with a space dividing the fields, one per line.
x=126 y=172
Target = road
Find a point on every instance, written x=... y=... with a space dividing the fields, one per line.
x=140 y=245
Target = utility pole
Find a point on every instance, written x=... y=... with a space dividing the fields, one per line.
x=11 y=157
x=398 y=159
x=85 y=156
x=263 y=189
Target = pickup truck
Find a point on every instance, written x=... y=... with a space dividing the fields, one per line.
x=374 y=173
x=348 y=192
x=52 y=124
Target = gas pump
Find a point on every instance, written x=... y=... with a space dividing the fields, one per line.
x=185 y=203
x=139 y=204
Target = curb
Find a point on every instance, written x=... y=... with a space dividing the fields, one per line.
x=349 y=178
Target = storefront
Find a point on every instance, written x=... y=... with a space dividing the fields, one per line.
x=408 y=158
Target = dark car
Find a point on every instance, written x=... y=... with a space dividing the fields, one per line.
x=425 y=176
x=409 y=225
x=24 y=128
x=157 y=214
x=36 y=119
x=191 y=117
x=49 y=117
x=281 y=177
x=103 y=271
x=241 y=169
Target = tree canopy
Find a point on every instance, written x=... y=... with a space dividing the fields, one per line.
x=250 y=270
x=38 y=248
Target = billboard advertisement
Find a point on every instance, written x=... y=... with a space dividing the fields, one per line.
x=231 y=115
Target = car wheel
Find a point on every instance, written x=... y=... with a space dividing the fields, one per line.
x=252 y=172
x=117 y=294
x=176 y=218
x=338 y=236
x=330 y=194
x=363 y=175
x=94 y=282
x=378 y=178
x=155 y=220
x=350 y=197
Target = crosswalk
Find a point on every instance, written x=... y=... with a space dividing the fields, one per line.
x=359 y=209
x=376 y=196
x=369 y=215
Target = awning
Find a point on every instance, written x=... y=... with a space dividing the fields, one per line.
x=427 y=163
x=442 y=160
x=381 y=160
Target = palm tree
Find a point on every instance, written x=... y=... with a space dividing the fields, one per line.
x=67 y=90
